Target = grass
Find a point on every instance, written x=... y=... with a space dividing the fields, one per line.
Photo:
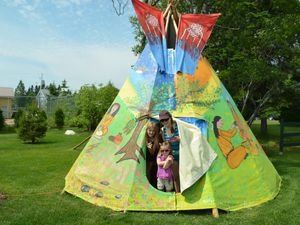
x=32 y=177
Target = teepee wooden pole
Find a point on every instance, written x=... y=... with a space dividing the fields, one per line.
x=167 y=10
x=175 y=24
x=167 y=21
x=174 y=13
x=87 y=138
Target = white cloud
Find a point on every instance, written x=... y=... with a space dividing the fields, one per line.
x=78 y=64
x=39 y=44
x=89 y=64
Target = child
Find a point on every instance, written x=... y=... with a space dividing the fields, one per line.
x=170 y=133
x=164 y=168
x=153 y=138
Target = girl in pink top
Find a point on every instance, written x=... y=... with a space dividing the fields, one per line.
x=164 y=168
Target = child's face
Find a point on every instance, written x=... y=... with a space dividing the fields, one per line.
x=165 y=150
x=150 y=132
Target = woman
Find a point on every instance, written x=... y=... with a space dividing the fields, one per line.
x=170 y=134
x=106 y=121
x=153 y=139
x=233 y=155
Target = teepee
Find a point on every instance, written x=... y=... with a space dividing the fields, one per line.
x=221 y=163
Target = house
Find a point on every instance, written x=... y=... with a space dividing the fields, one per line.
x=42 y=98
x=6 y=101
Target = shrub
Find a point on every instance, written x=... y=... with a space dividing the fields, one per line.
x=59 y=118
x=51 y=122
x=17 y=117
x=32 y=124
x=78 y=121
x=1 y=120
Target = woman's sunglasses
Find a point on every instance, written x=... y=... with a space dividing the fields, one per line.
x=164 y=120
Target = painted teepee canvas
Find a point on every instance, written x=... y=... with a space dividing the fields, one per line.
x=225 y=168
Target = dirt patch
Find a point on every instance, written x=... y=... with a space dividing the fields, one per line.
x=2 y=197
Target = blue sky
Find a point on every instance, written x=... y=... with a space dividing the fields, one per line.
x=82 y=41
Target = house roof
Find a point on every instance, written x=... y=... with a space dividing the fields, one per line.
x=6 y=92
x=44 y=92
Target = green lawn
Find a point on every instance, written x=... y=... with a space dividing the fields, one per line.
x=32 y=177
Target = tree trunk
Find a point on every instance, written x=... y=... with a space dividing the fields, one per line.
x=263 y=126
x=131 y=147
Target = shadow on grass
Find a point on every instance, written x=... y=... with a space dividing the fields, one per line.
x=283 y=166
x=42 y=142
x=7 y=130
x=196 y=212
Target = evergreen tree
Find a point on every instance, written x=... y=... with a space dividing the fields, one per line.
x=32 y=124
x=64 y=84
x=53 y=89
x=59 y=118
x=20 y=89
x=64 y=89
x=30 y=91
x=36 y=89
x=2 y=124
x=20 y=95
x=17 y=117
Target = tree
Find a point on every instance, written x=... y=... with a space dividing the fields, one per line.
x=107 y=95
x=37 y=89
x=64 y=84
x=59 y=118
x=30 y=91
x=292 y=111
x=64 y=89
x=53 y=89
x=20 y=93
x=2 y=124
x=17 y=118
x=257 y=52
x=119 y=6
x=20 y=89
x=255 y=49
x=33 y=124
x=93 y=102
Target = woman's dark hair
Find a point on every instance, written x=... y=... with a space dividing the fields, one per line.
x=115 y=112
x=215 y=121
x=172 y=127
x=172 y=120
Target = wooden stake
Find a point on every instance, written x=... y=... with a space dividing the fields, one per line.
x=215 y=212
x=87 y=138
